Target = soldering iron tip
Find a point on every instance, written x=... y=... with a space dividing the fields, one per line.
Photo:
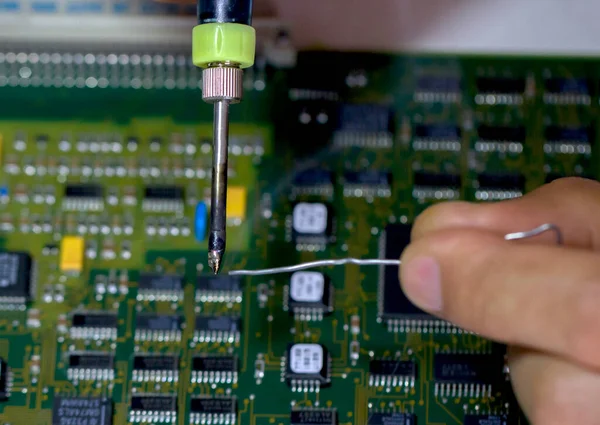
x=214 y=261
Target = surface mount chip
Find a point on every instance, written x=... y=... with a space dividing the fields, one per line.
x=499 y=186
x=312 y=226
x=391 y=373
x=96 y=325
x=158 y=327
x=160 y=287
x=501 y=419
x=467 y=374
x=213 y=410
x=153 y=408
x=214 y=369
x=437 y=137
x=567 y=140
x=565 y=91
x=500 y=90
x=83 y=197
x=309 y=296
x=163 y=199
x=367 y=184
x=501 y=139
x=221 y=329
x=313 y=416
x=16 y=277
x=313 y=181
x=155 y=368
x=438 y=89
x=74 y=410
x=307 y=367
x=91 y=366
x=391 y=418
x=5 y=380
x=218 y=289
x=436 y=186
x=365 y=126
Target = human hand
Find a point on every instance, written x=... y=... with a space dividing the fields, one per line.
x=541 y=299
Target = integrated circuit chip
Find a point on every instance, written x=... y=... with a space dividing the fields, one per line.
x=155 y=368
x=313 y=416
x=307 y=367
x=160 y=287
x=501 y=139
x=438 y=89
x=391 y=418
x=391 y=373
x=158 y=327
x=153 y=408
x=500 y=90
x=94 y=325
x=163 y=199
x=365 y=126
x=312 y=226
x=214 y=369
x=467 y=374
x=5 y=380
x=478 y=419
x=567 y=91
x=437 y=137
x=436 y=186
x=567 y=140
x=313 y=181
x=367 y=184
x=83 y=197
x=16 y=277
x=218 y=289
x=91 y=366
x=220 y=329
x=500 y=186
x=213 y=410
x=77 y=410
x=309 y=296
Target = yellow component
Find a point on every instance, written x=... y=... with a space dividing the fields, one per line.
x=72 y=249
x=237 y=198
x=212 y=43
x=1 y=148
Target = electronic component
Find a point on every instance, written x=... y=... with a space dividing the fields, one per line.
x=163 y=199
x=467 y=374
x=214 y=369
x=309 y=296
x=498 y=187
x=213 y=410
x=365 y=126
x=307 y=367
x=390 y=373
x=221 y=329
x=312 y=226
x=218 y=289
x=83 y=197
x=394 y=308
x=157 y=327
x=568 y=140
x=436 y=186
x=155 y=368
x=237 y=199
x=313 y=181
x=367 y=184
x=480 y=419
x=564 y=91
x=153 y=409
x=438 y=89
x=81 y=410
x=72 y=254
x=391 y=418
x=501 y=139
x=160 y=287
x=94 y=325
x=313 y=416
x=91 y=366
x=437 y=138
x=17 y=277
x=5 y=380
x=499 y=90
x=200 y=221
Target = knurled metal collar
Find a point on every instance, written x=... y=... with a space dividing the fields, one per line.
x=222 y=83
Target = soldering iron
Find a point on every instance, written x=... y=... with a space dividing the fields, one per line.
x=224 y=43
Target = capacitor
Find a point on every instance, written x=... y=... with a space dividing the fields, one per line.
x=200 y=221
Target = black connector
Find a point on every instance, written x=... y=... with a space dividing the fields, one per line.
x=225 y=12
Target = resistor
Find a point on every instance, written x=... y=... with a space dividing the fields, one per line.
x=355 y=324
x=354 y=352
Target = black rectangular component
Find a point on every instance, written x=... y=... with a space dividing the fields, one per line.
x=571 y=86
x=164 y=193
x=501 y=133
x=313 y=177
x=208 y=363
x=84 y=190
x=158 y=322
x=389 y=367
x=438 y=84
x=365 y=118
x=156 y=362
x=391 y=418
x=368 y=178
x=307 y=366
x=4 y=390
x=16 y=275
x=312 y=225
x=568 y=134
x=73 y=410
x=154 y=403
x=486 y=420
x=437 y=180
x=313 y=417
x=85 y=360
x=223 y=284
x=438 y=132
x=500 y=85
x=94 y=319
x=219 y=324
x=213 y=405
x=504 y=181
x=458 y=368
x=309 y=295
x=160 y=282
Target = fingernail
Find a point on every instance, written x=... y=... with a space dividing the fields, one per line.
x=421 y=281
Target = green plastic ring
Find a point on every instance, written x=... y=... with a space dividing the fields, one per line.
x=214 y=43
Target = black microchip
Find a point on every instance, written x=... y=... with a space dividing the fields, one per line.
x=458 y=368
x=500 y=85
x=213 y=405
x=91 y=361
x=16 y=272
x=486 y=420
x=365 y=118
x=307 y=362
x=393 y=304
x=156 y=362
x=437 y=180
x=160 y=282
x=438 y=84
x=437 y=132
x=209 y=363
x=154 y=403
x=391 y=418
x=158 y=322
x=309 y=291
x=572 y=86
x=368 y=178
x=313 y=177
x=313 y=417
x=86 y=191
x=73 y=410
x=94 y=319
x=4 y=390
x=501 y=181
x=164 y=193
x=389 y=367
x=568 y=134
x=226 y=324
x=209 y=283
x=501 y=133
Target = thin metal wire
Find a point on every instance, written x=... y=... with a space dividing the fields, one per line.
x=384 y=262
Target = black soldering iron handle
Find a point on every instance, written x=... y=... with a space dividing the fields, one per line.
x=225 y=11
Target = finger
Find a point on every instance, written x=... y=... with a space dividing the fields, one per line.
x=540 y=296
x=570 y=203
x=553 y=391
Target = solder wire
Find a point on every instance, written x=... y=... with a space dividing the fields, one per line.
x=547 y=227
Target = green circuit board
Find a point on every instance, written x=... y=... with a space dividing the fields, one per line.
x=107 y=312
